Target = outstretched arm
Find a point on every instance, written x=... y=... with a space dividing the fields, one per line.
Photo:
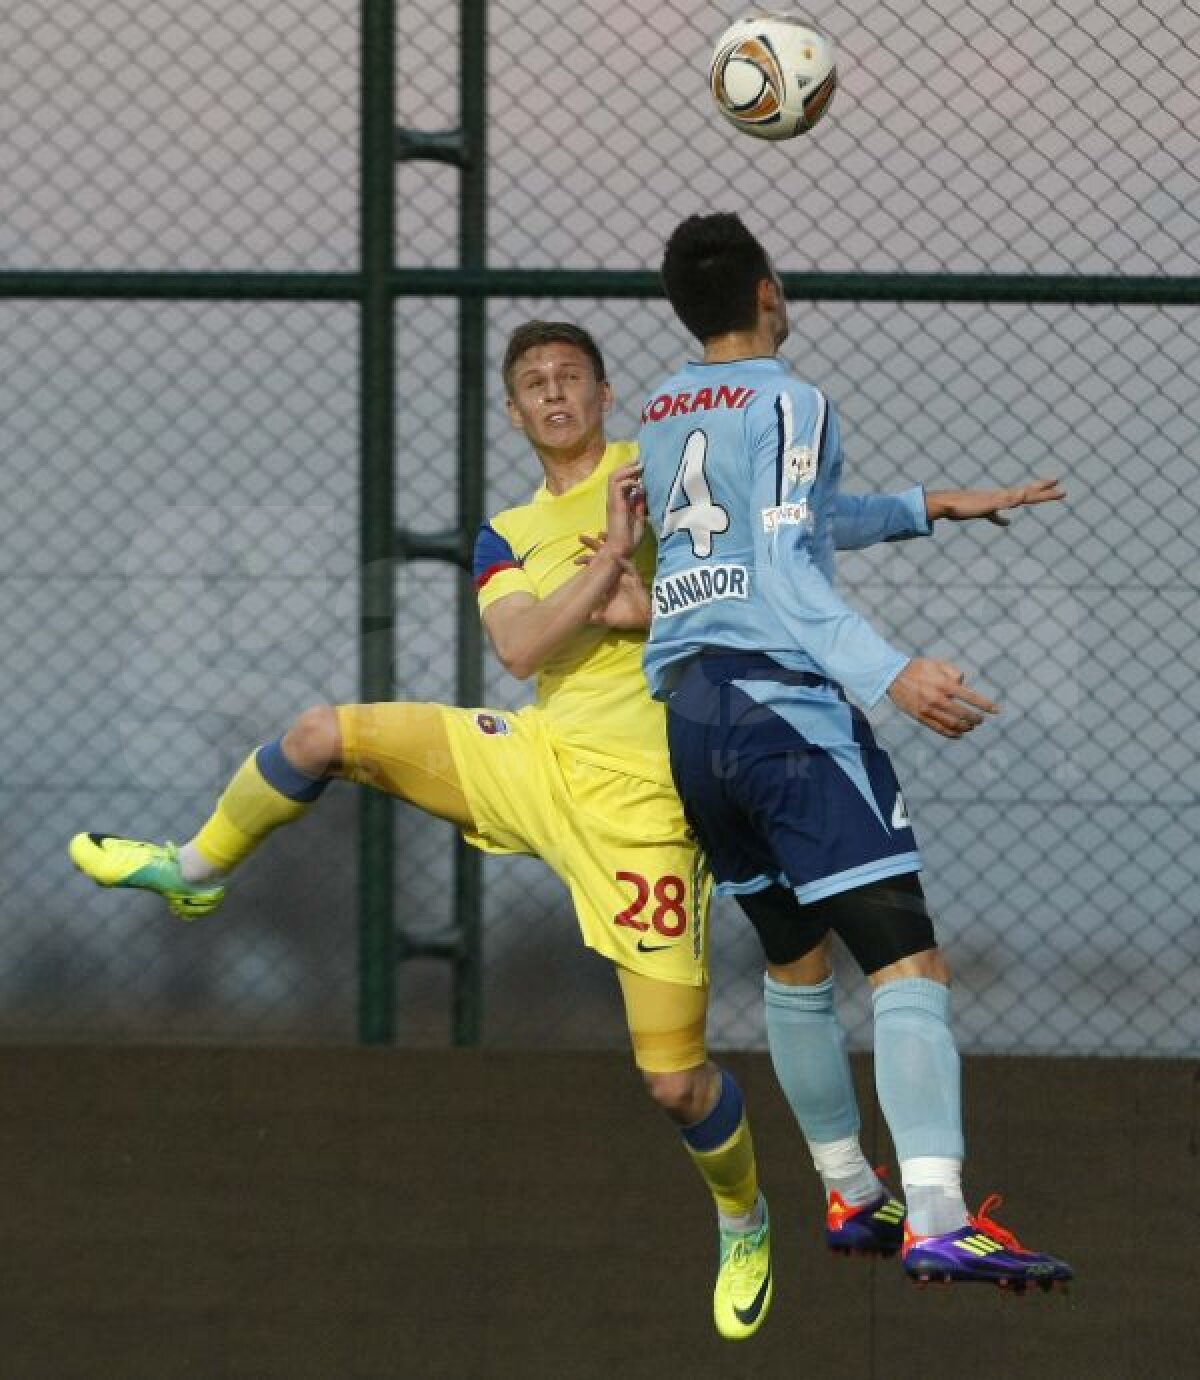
x=861 y=520
x=864 y=519
x=961 y=505
x=813 y=617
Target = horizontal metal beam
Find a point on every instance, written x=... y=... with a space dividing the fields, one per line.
x=446 y=943
x=436 y=146
x=1063 y=288
x=454 y=545
x=1027 y=288
x=251 y=286
x=1113 y=290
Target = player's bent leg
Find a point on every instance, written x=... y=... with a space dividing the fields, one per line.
x=267 y=790
x=917 y=1061
x=721 y=1148
x=808 y=1053
x=272 y=787
x=666 y=1029
x=917 y=1078
x=276 y=785
x=399 y=748
x=404 y=750
x=666 y=1025
x=313 y=743
x=887 y=928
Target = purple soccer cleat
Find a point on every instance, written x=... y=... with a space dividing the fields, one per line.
x=983 y=1252
x=875 y=1228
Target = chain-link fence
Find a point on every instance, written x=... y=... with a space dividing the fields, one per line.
x=182 y=486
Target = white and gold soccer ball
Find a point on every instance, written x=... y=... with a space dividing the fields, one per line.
x=773 y=75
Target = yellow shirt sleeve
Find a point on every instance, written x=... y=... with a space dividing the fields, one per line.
x=503 y=583
x=498 y=570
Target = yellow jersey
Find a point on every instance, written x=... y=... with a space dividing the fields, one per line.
x=591 y=689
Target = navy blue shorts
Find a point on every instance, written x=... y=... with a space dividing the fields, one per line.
x=783 y=781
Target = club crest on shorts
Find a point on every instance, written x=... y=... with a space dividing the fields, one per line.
x=491 y=724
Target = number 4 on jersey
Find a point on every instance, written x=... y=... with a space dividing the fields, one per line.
x=690 y=506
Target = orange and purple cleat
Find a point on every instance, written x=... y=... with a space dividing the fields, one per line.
x=982 y=1252
x=875 y=1228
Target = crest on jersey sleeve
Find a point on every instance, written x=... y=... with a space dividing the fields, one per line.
x=799 y=466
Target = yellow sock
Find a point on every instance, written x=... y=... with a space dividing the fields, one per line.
x=730 y=1172
x=722 y=1150
x=265 y=792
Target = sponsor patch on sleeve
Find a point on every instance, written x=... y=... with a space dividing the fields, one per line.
x=787 y=515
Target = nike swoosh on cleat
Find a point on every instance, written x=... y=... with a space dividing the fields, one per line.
x=750 y=1314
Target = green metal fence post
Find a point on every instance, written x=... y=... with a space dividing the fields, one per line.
x=472 y=393
x=376 y=976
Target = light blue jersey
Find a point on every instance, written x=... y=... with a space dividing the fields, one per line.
x=741 y=465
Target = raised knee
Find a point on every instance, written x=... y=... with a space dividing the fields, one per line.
x=933 y=966
x=313 y=744
x=683 y=1096
x=928 y=964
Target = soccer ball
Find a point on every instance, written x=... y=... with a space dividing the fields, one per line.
x=773 y=75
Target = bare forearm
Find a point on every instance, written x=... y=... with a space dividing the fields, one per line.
x=525 y=637
x=939 y=503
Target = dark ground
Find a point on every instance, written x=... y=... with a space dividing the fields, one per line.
x=343 y=1214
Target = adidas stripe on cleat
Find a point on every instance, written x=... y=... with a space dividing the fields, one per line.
x=981 y=1252
x=872 y=1229
x=742 y=1296
x=112 y=861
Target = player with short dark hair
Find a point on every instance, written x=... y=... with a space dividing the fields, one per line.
x=532 y=335
x=580 y=779
x=798 y=808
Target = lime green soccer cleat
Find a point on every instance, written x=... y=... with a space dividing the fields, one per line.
x=112 y=861
x=743 y=1292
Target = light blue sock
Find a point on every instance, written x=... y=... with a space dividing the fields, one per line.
x=808 y=1051
x=917 y=1069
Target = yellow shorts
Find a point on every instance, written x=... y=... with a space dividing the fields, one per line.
x=638 y=883
x=621 y=845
